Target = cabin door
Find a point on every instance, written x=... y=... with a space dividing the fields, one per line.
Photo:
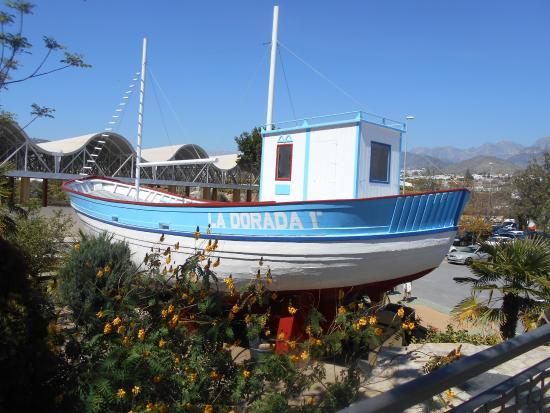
x=323 y=156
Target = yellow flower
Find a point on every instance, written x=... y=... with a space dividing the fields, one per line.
x=168 y=259
x=317 y=342
x=136 y=390
x=269 y=279
x=107 y=268
x=120 y=393
x=99 y=314
x=360 y=306
x=141 y=334
x=235 y=309
x=377 y=331
x=263 y=321
x=208 y=408
x=341 y=310
x=450 y=393
x=121 y=329
x=405 y=326
x=411 y=326
x=156 y=379
x=292 y=310
x=214 y=375
x=311 y=401
x=246 y=374
x=309 y=331
x=107 y=329
x=162 y=343
x=216 y=263
x=193 y=377
x=401 y=312
x=177 y=360
x=281 y=335
x=291 y=344
x=294 y=358
x=231 y=411
x=164 y=313
x=117 y=321
x=248 y=319
x=356 y=326
x=304 y=355
x=132 y=411
x=77 y=246
x=125 y=341
x=267 y=333
x=149 y=407
x=100 y=274
x=231 y=316
x=372 y=320
x=170 y=309
x=174 y=321
x=362 y=321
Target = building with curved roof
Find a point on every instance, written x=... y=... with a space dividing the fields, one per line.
x=111 y=154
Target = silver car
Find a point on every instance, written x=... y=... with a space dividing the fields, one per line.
x=467 y=255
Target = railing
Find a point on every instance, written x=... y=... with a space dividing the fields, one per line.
x=335 y=119
x=425 y=387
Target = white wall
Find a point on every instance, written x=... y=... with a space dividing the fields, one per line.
x=369 y=133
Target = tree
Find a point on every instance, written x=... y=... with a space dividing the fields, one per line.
x=517 y=280
x=14 y=45
x=468 y=177
x=531 y=192
x=474 y=225
x=250 y=146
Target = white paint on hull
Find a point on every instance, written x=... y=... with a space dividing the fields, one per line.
x=298 y=266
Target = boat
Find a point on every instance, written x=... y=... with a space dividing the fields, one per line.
x=330 y=214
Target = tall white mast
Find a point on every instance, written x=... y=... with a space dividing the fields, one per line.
x=140 y=114
x=269 y=120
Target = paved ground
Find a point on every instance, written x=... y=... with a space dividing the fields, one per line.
x=438 y=290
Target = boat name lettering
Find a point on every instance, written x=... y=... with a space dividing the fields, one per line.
x=263 y=220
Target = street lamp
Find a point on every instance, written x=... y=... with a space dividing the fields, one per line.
x=490 y=188
x=407 y=118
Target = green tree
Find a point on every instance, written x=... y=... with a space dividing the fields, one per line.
x=14 y=45
x=517 y=280
x=250 y=146
x=531 y=193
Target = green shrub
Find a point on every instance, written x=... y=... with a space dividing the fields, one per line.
x=164 y=339
x=33 y=373
x=450 y=335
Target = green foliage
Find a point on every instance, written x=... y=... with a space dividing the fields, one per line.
x=250 y=148
x=94 y=272
x=517 y=280
x=450 y=335
x=532 y=193
x=435 y=362
x=166 y=338
x=32 y=370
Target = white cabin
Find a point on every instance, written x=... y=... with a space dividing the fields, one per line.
x=345 y=156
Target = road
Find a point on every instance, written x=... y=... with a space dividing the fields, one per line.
x=438 y=289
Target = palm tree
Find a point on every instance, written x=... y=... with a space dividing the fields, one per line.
x=516 y=283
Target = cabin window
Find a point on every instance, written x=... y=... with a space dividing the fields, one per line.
x=283 y=169
x=380 y=162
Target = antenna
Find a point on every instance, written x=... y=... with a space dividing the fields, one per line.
x=269 y=120
x=140 y=114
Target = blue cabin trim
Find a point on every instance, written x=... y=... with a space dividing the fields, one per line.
x=388 y=171
x=357 y=161
x=306 y=163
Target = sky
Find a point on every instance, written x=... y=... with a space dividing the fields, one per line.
x=471 y=72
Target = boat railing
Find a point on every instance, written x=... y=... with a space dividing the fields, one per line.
x=526 y=391
x=337 y=119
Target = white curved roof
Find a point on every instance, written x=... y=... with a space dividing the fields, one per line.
x=227 y=161
x=67 y=145
x=167 y=153
x=71 y=145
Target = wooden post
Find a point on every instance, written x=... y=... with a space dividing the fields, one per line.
x=236 y=195
x=205 y=193
x=24 y=190
x=187 y=191
x=11 y=189
x=214 y=194
x=249 y=195
x=44 y=192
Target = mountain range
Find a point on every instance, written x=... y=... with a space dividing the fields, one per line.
x=501 y=157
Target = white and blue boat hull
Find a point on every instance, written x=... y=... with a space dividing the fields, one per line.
x=312 y=245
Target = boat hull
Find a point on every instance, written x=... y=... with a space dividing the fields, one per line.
x=398 y=237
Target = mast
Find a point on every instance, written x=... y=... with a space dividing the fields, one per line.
x=269 y=120
x=140 y=114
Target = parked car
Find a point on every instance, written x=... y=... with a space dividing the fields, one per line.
x=514 y=234
x=498 y=239
x=467 y=255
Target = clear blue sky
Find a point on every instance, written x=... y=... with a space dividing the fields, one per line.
x=470 y=71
